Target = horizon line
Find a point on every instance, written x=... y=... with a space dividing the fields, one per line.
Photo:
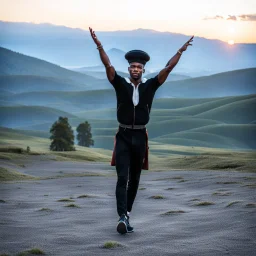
x=102 y=31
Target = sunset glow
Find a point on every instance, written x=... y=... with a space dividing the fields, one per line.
x=209 y=19
x=231 y=42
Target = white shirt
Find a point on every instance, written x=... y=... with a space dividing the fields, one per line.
x=135 y=96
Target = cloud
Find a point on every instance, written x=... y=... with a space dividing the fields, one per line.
x=247 y=17
x=231 y=17
x=217 y=17
x=242 y=17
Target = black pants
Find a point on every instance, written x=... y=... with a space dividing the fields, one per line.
x=130 y=152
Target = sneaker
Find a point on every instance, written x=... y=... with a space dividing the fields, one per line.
x=129 y=227
x=122 y=224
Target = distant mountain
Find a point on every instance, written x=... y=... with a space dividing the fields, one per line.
x=13 y=63
x=71 y=102
x=233 y=83
x=99 y=74
x=74 y=47
x=40 y=91
x=20 y=116
x=172 y=76
x=117 y=59
x=26 y=83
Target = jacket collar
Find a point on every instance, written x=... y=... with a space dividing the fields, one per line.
x=143 y=80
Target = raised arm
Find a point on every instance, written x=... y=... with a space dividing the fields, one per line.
x=163 y=74
x=110 y=70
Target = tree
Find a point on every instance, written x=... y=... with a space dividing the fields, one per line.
x=62 y=136
x=84 y=135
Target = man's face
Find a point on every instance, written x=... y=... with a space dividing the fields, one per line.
x=136 y=69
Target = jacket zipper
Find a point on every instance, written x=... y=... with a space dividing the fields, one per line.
x=133 y=116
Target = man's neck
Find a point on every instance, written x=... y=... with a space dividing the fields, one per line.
x=135 y=82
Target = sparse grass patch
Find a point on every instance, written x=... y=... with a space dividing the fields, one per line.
x=204 y=203
x=251 y=205
x=157 y=197
x=226 y=166
x=142 y=188
x=45 y=209
x=10 y=175
x=169 y=188
x=253 y=185
x=111 y=244
x=5 y=157
x=85 y=196
x=173 y=212
x=228 y=182
x=218 y=193
x=72 y=205
x=181 y=180
x=170 y=178
x=34 y=251
x=4 y=254
x=65 y=200
x=2 y=201
x=232 y=203
x=195 y=199
x=250 y=178
x=12 y=149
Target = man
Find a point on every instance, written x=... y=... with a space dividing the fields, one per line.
x=134 y=99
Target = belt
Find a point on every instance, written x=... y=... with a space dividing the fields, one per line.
x=132 y=126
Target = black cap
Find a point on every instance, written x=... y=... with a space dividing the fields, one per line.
x=137 y=56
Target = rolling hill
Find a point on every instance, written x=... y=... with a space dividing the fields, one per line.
x=13 y=63
x=27 y=115
x=233 y=83
x=71 y=102
x=234 y=136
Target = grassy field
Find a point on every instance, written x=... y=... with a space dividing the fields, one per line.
x=162 y=156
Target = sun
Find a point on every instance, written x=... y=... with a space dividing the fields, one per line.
x=231 y=42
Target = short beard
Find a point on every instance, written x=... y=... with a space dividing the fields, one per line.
x=136 y=78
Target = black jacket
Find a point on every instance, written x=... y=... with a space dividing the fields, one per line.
x=127 y=113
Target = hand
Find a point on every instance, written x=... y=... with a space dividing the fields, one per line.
x=184 y=47
x=94 y=37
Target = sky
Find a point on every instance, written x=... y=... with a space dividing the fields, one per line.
x=226 y=20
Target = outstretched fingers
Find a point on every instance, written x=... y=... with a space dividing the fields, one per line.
x=92 y=33
x=190 y=40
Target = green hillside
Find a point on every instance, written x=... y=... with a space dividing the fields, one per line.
x=240 y=112
x=27 y=115
x=13 y=63
x=196 y=106
x=72 y=102
x=34 y=133
x=104 y=114
x=235 y=136
x=232 y=83
x=28 y=83
x=184 y=126
x=10 y=138
x=166 y=127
